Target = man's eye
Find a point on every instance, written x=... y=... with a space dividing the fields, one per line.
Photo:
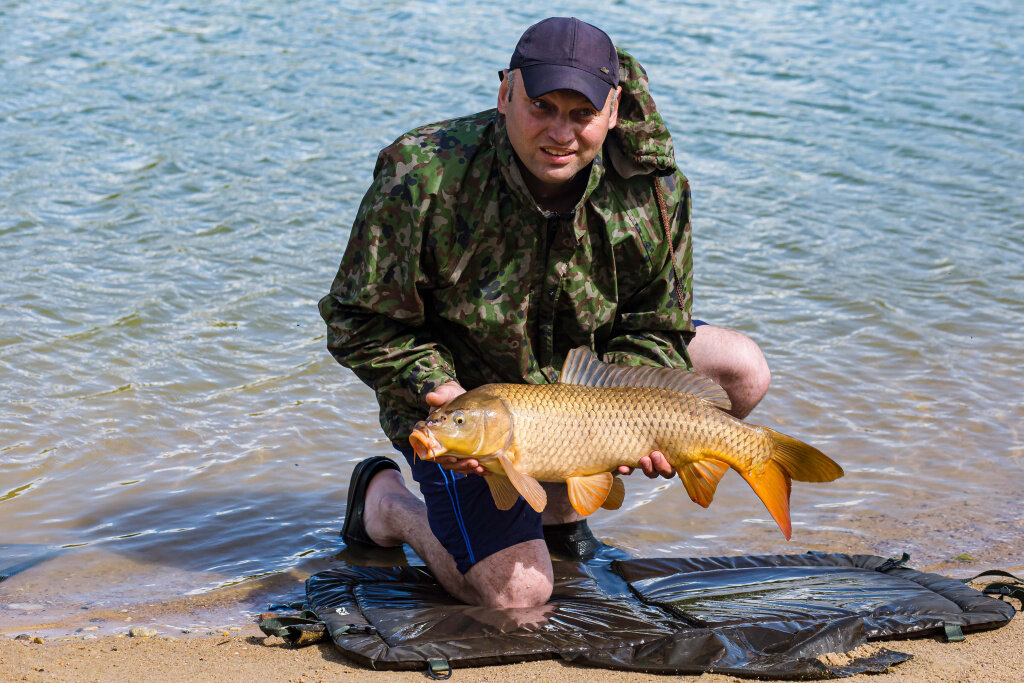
x=540 y=104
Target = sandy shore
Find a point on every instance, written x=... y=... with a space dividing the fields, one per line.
x=990 y=656
x=244 y=654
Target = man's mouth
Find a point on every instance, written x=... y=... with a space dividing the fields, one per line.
x=557 y=152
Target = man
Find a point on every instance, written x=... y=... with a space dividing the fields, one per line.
x=488 y=247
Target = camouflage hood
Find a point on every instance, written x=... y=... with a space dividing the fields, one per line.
x=640 y=144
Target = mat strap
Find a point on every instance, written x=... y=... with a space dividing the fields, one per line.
x=893 y=563
x=1002 y=588
x=304 y=629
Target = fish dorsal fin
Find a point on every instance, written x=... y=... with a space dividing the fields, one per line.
x=589 y=492
x=701 y=479
x=584 y=368
x=504 y=494
x=527 y=486
x=616 y=495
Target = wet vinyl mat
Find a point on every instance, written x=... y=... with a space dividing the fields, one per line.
x=768 y=616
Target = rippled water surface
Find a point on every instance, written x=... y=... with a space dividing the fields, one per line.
x=177 y=184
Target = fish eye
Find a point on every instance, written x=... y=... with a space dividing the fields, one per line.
x=458 y=417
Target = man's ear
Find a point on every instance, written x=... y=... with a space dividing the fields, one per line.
x=503 y=92
x=613 y=118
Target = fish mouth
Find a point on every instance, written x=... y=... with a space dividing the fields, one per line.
x=425 y=445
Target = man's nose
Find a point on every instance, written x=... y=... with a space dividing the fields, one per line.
x=561 y=131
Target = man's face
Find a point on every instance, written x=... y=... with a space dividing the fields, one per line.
x=557 y=134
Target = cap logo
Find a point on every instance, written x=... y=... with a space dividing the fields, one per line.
x=604 y=69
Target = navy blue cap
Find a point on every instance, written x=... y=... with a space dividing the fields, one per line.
x=567 y=54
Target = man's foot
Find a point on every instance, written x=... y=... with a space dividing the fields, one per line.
x=353 y=531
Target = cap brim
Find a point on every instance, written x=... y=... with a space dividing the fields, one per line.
x=540 y=79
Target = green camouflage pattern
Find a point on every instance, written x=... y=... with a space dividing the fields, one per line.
x=452 y=271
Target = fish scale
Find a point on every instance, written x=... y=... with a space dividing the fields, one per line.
x=596 y=429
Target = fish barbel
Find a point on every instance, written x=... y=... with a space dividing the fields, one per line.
x=598 y=417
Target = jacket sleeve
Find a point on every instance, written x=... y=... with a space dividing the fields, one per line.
x=651 y=327
x=375 y=311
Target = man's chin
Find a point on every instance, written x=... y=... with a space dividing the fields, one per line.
x=554 y=176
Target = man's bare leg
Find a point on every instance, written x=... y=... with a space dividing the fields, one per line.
x=519 y=576
x=559 y=510
x=734 y=361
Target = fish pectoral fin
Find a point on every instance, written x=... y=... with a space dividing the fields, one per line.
x=701 y=479
x=587 y=493
x=616 y=495
x=526 y=485
x=773 y=487
x=504 y=493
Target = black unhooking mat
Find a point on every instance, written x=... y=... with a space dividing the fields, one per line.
x=764 y=616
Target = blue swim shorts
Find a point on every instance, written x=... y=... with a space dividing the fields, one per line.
x=463 y=517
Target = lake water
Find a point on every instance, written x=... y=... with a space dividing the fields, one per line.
x=177 y=184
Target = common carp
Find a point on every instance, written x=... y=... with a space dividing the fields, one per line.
x=598 y=417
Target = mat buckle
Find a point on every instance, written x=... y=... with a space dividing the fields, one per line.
x=439 y=669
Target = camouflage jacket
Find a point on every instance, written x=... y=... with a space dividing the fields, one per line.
x=453 y=272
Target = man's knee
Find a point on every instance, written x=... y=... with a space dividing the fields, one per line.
x=519 y=576
x=519 y=594
x=733 y=360
x=752 y=367
x=720 y=352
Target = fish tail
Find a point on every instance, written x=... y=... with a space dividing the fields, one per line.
x=791 y=459
x=800 y=461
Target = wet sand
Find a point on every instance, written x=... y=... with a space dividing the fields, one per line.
x=243 y=653
x=247 y=656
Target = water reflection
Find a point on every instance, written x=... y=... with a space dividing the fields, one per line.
x=177 y=190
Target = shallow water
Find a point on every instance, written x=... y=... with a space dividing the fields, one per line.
x=176 y=189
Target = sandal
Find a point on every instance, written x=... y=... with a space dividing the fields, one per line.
x=353 y=530
x=571 y=541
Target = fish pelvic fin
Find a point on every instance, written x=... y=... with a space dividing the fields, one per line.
x=800 y=461
x=616 y=495
x=773 y=486
x=527 y=486
x=701 y=479
x=504 y=493
x=589 y=492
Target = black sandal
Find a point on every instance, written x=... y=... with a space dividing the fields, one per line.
x=571 y=541
x=353 y=530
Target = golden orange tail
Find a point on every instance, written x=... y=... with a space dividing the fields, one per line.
x=791 y=459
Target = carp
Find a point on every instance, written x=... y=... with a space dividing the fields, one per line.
x=598 y=417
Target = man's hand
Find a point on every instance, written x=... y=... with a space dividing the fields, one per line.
x=437 y=398
x=461 y=465
x=444 y=393
x=653 y=465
